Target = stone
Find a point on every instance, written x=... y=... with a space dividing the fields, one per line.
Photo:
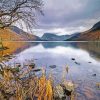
x=53 y=66
x=58 y=92
x=36 y=70
x=77 y=63
x=68 y=87
x=89 y=62
x=32 y=65
x=73 y=58
x=94 y=75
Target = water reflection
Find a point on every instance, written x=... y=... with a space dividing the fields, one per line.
x=93 y=49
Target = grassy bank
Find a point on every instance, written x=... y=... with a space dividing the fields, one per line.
x=18 y=85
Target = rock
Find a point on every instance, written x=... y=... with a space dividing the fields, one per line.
x=73 y=58
x=94 y=75
x=77 y=63
x=18 y=65
x=58 y=93
x=53 y=66
x=68 y=87
x=89 y=62
x=63 y=91
x=36 y=70
x=32 y=65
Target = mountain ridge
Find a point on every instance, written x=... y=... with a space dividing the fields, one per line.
x=54 y=37
x=92 y=34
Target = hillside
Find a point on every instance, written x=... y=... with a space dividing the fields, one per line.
x=7 y=34
x=11 y=34
x=24 y=35
x=91 y=35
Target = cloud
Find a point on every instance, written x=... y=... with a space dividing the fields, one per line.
x=68 y=16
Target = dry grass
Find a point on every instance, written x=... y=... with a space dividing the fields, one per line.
x=7 y=34
x=12 y=87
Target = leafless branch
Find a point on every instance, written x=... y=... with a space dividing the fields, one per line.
x=14 y=10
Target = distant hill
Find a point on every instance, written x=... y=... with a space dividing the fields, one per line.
x=54 y=37
x=92 y=34
x=74 y=37
x=25 y=35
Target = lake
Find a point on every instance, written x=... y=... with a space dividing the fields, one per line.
x=82 y=59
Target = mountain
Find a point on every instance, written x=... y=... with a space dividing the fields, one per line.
x=92 y=34
x=96 y=26
x=15 y=33
x=74 y=37
x=25 y=35
x=54 y=37
x=8 y=34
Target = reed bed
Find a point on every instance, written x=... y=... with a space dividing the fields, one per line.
x=15 y=85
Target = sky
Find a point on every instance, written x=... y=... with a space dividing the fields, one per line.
x=67 y=16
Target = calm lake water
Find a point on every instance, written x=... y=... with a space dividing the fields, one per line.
x=82 y=58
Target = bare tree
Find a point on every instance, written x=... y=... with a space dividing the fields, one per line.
x=19 y=10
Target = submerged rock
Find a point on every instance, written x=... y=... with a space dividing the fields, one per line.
x=53 y=66
x=77 y=63
x=94 y=75
x=73 y=58
x=36 y=70
x=89 y=62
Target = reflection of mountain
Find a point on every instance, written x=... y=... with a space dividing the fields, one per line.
x=56 y=44
x=16 y=47
x=93 y=48
x=12 y=47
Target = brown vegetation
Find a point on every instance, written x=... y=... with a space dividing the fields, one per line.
x=90 y=36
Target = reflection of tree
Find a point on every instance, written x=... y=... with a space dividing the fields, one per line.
x=1 y=48
x=92 y=47
x=1 y=53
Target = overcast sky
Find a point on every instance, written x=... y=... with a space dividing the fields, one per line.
x=68 y=16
